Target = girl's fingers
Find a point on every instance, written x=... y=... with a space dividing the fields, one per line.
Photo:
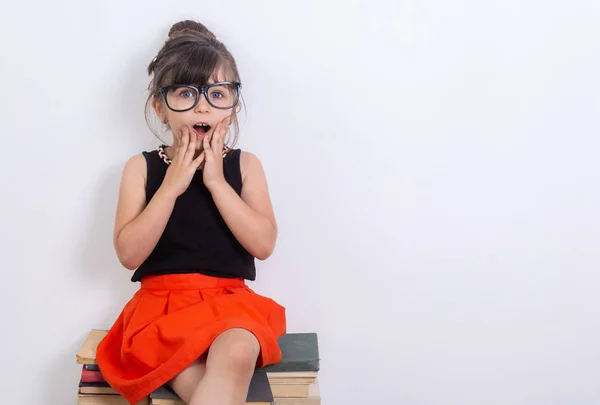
x=206 y=144
x=217 y=142
x=198 y=161
x=191 y=148
x=185 y=139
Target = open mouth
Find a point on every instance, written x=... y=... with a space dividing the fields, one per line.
x=201 y=128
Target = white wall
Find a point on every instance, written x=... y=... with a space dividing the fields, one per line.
x=433 y=166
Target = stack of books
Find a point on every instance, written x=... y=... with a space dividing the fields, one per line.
x=292 y=381
x=93 y=389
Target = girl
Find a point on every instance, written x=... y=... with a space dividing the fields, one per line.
x=191 y=219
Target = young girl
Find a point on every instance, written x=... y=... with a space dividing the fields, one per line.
x=191 y=219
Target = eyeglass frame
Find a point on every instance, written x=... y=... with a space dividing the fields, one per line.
x=199 y=91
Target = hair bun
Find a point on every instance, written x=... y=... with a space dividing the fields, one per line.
x=189 y=27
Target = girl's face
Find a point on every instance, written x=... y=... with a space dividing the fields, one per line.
x=204 y=117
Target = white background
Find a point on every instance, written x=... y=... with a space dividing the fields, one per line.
x=433 y=166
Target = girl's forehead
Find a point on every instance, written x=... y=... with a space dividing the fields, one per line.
x=197 y=76
x=219 y=75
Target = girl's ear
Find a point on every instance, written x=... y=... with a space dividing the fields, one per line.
x=159 y=110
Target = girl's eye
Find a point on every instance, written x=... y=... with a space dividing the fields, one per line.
x=217 y=94
x=186 y=94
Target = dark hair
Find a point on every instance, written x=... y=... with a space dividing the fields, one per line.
x=191 y=55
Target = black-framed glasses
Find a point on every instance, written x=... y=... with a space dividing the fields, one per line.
x=184 y=97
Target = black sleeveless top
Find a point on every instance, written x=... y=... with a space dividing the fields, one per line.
x=196 y=238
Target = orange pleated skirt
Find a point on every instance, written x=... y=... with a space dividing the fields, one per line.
x=173 y=319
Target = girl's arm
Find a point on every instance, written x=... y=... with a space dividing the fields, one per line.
x=249 y=217
x=138 y=227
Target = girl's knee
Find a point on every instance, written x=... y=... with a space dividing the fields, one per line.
x=244 y=351
x=241 y=349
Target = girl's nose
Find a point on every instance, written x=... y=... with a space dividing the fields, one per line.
x=203 y=105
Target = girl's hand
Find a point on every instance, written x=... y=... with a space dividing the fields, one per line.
x=213 y=156
x=183 y=165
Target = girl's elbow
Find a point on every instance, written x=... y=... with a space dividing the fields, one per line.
x=264 y=251
x=130 y=263
x=262 y=255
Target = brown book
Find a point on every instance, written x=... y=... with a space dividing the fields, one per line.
x=298 y=401
x=98 y=390
x=107 y=400
x=292 y=374
x=294 y=390
x=313 y=399
x=87 y=351
x=290 y=390
x=292 y=380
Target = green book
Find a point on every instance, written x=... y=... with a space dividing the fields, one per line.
x=300 y=352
